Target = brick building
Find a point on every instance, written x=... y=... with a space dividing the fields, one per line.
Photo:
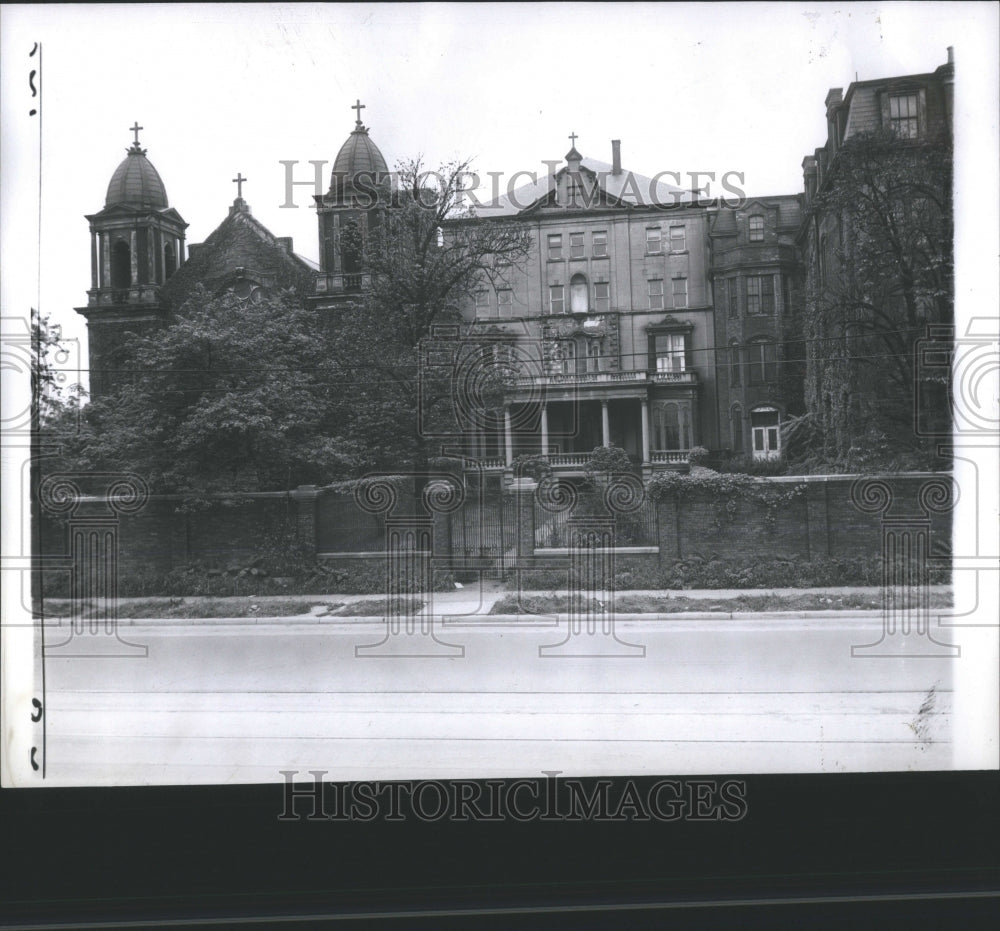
x=647 y=317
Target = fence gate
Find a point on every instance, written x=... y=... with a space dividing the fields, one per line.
x=484 y=533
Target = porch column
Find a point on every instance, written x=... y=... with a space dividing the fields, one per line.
x=508 y=441
x=545 y=429
x=645 y=430
x=605 y=425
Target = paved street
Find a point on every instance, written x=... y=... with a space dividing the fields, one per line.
x=232 y=701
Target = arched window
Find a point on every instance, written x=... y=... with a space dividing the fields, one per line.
x=121 y=265
x=756 y=229
x=579 y=297
x=764 y=425
x=169 y=260
x=672 y=425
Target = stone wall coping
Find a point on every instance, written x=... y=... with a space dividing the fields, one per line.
x=852 y=476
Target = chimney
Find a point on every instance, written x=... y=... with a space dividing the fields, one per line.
x=951 y=55
x=616 y=156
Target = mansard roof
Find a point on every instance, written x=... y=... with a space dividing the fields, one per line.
x=627 y=188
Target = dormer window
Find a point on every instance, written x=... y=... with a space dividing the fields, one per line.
x=756 y=229
x=903 y=115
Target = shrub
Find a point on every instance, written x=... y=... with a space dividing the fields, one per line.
x=698 y=455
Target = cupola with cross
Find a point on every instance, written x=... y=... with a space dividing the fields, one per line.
x=136 y=245
x=360 y=185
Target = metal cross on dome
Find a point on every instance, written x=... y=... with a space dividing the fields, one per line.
x=572 y=139
x=238 y=181
x=135 y=129
x=358 y=106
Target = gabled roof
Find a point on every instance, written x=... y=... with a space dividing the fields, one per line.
x=627 y=188
x=241 y=241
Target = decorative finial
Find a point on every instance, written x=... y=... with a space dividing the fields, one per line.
x=572 y=139
x=358 y=106
x=238 y=181
x=135 y=129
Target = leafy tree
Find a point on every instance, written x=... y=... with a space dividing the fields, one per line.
x=423 y=254
x=883 y=274
x=228 y=397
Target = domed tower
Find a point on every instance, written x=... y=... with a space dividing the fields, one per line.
x=136 y=244
x=360 y=184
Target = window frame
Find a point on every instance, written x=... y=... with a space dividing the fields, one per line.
x=675 y=294
x=602 y=305
x=656 y=238
x=762 y=362
x=553 y=300
x=602 y=241
x=911 y=118
x=756 y=225
x=508 y=304
x=673 y=238
x=554 y=247
x=577 y=246
x=650 y=293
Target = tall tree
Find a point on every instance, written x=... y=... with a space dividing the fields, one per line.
x=424 y=254
x=883 y=274
x=230 y=396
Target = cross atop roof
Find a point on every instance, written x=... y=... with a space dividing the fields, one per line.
x=238 y=181
x=358 y=106
x=572 y=139
x=135 y=129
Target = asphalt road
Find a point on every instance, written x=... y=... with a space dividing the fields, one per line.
x=233 y=702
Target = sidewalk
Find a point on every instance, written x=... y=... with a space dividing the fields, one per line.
x=478 y=599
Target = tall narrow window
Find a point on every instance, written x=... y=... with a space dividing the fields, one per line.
x=653 y=245
x=576 y=246
x=600 y=244
x=671 y=354
x=734 y=297
x=678 y=240
x=655 y=286
x=505 y=302
x=482 y=303
x=762 y=360
x=594 y=355
x=121 y=265
x=555 y=246
x=579 y=297
x=756 y=229
x=169 y=260
x=736 y=426
x=903 y=115
x=734 y=365
x=680 y=292
x=602 y=297
x=557 y=299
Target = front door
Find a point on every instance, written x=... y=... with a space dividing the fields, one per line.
x=766 y=435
